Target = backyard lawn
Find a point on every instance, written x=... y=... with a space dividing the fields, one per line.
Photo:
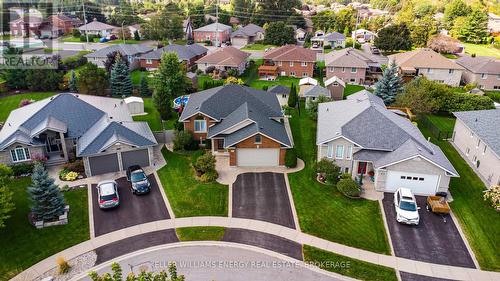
x=353 y=268
x=443 y=123
x=351 y=89
x=325 y=212
x=152 y=116
x=9 y=103
x=479 y=221
x=188 y=196
x=22 y=245
x=136 y=75
x=481 y=50
x=257 y=47
x=200 y=233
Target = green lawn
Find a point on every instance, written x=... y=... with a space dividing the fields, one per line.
x=71 y=39
x=119 y=41
x=200 y=233
x=481 y=50
x=351 y=89
x=443 y=123
x=281 y=80
x=180 y=42
x=323 y=211
x=152 y=116
x=347 y=266
x=252 y=72
x=9 y=103
x=494 y=95
x=188 y=196
x=136 y=75
x=477 y=218
x=22 y=245
x=257 y=47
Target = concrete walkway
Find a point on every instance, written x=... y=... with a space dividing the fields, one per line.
x=401 y=264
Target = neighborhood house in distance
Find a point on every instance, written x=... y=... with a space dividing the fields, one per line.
x=66 y=126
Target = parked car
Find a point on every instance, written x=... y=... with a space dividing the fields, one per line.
x=107 y=194
x=137 y=177
x=406 y=207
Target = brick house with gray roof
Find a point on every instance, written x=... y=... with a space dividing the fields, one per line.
x=68 y=126
x=385 y=150
x=132 y=52
x=242 y=123
x=188 y=54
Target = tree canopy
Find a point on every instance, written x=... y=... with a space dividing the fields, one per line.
x=278 y=33
x=393 y=37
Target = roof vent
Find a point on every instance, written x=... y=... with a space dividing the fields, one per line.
x=110 y=117
x=476 y=119
x=115 y=105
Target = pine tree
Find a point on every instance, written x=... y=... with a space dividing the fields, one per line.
x=144 y=86
x=292 y=98
x=121 y=84
x=475 y=29
x=47 y=200
x=137 y=37
x=389 y=85
x=72 y=82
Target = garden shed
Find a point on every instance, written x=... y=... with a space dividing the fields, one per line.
x=135 y=105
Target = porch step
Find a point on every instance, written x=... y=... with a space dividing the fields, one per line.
x=55 y=162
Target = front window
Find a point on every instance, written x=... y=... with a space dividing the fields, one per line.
x=304 y=63
x=331 y=68
x=484 y=75
x=304 y=74
x=329 y=152
x=292 y=73
x=149 y=61
x=339 y=152
x=200 y=126
x=429 y=70
x=349 y=152
x=258 y=139
x=280 y=63
x=291 y=63
x=354 y=70
x=20 y=154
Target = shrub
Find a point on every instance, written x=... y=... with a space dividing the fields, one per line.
x=327 y=47
x=183 y=140
x=75 y=166
x=492 y=195
x=291 y=158
x=348 y=187
x=76 y=33
x=233 y=72
x=466 y=102
x=75 y=61
x=209 y=176
x=495 y=96
x=328 y=170
x=22 y=169
x=209 y=69
x=265 y=87
x=25 y=102
x=63 y=265
x=199 y=72
x=71 y=176
x=205 y=163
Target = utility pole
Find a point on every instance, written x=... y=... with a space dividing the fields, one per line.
x=354 y=32
x=123 y=33
x=85 y=21
x=217 y=24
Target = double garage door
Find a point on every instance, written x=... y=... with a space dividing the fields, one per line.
x=421 y=184
x=257 y=157
x=109 y=163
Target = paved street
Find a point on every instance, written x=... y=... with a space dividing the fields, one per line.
x=405 y=276
x=219 y=263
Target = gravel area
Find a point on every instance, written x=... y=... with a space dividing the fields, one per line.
x=78 y=265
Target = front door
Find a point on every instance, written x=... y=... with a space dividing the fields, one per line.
x=220 y=144
x=362 y=168
x=53 y=144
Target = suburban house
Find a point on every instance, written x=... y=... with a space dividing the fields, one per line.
x=68 y=126
x=334 y=39
x=288 y=60
x=425 y=62
x=477 y=137
x=379 y=147
x=211 y=32
x=336 y=86
x=26 y=26
x=241 y=122
x=97 y=28
x=247 y=34
x=57 y=25
x=281 y=92
x=188 y=54
x=483 y=71
x=224 y=59
x=354 y=66
x=493 y=23
x=132 y=52
x=363 y=35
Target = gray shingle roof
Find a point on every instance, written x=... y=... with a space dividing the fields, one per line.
x=279 y=89
x=124 y=49
x=96 y=25
x=184 y=52
x=316 y=91
x=480 y=64
x=247 y=31
x=213 y=27
x=485 y=124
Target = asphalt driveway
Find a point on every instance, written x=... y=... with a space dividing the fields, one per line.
x=433 y=240
x=133 y=209
x=264 y=240
x=262 y=196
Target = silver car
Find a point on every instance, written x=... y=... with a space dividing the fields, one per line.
x=107 y=194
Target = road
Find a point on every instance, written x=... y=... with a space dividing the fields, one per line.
x=218 y=262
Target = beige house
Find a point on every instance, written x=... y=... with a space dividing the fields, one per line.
x=379 y=147
x=426 y=62
x=224 y=59
x=483 y=71
x=477 y=137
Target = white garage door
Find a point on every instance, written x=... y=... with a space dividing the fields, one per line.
x=421 y=184
x=238 y=41
x=263 y=157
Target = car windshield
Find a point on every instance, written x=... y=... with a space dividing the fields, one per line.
x=408 y=206
x=139 y=176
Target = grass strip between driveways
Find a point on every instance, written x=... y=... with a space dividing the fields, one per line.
x=322 y=210
x=187 y=196
x=479 y=221
x=200 y=233
x=22 y=245
x=348 y=266
x=11 y=102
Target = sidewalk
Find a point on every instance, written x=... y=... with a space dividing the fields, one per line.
x=401 y=264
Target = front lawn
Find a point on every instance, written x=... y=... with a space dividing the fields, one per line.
x=152 y=116
x=348 y=266
x=22 y=245
x=323 y=211
x=481 y=50
x=188 y=196
x=11 y=102
x=351 y=89
x=257 y=47
x=200 y=233
x=71 y=39
x=128 y=41
x=477 y=218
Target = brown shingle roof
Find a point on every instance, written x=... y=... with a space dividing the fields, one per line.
x=348 y=57
x=424 y=58
x=480 y=64
x=291 y=53
x=229 y=56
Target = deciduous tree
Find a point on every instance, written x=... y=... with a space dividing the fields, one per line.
x=168 y=82
x=278 y=33
x=6 y=203
x=92 y=80
x=394 y=37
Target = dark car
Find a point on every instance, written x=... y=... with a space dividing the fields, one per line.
x=375 y=50
x=137 y=177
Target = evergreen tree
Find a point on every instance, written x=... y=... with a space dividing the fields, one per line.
x=393 y=37
x=121 y=84
x=6 y=203
x=144 y=86
x=47 y=200
x=72 y=82
x=389 y=85
x=475 y=29
x=292 y=98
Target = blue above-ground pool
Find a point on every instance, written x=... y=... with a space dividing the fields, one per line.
x=180 y=101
